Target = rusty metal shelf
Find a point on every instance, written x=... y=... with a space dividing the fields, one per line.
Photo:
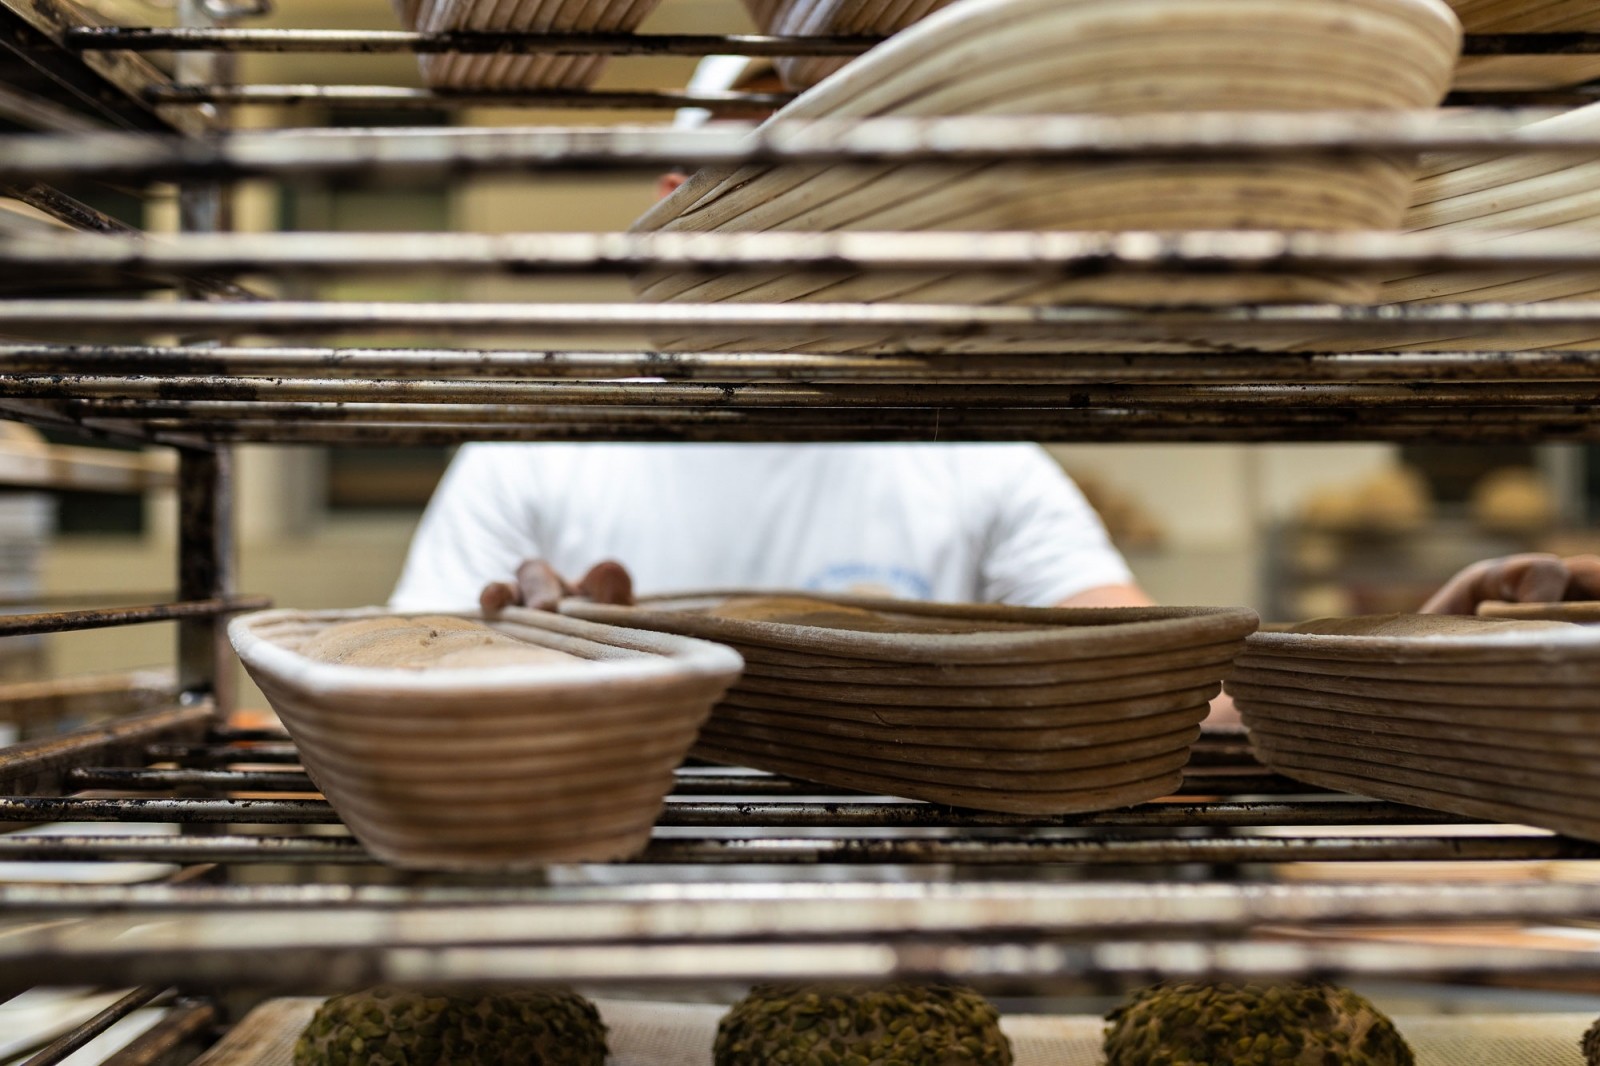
x=1051 y=256
x=480 y=42
x=226 y=363
x=227 y=39
x=1026 y=910
x=858 y=814
x=432 y=153
x=939 y=923
x=71 y=87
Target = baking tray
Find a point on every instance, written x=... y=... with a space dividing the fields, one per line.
x=667 y=1034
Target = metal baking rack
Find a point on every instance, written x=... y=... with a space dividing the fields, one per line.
x=751 y=875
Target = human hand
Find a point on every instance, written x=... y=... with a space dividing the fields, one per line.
x=539 y=587
x=1530 y=578
x=1224 y=716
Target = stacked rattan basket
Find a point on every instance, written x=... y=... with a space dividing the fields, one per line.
x=988 y=707
x=511 y=70
x=1104 y=57
x=1486 y=199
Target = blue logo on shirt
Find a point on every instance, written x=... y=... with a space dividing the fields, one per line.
x=870 y=579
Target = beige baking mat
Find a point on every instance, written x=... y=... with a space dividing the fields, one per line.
x=670 y=1034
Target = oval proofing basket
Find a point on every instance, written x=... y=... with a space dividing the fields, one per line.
x=493 y=769
x=1488 y=718
x=1016 y=709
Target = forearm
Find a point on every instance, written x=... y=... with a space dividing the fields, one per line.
x=1126 y=595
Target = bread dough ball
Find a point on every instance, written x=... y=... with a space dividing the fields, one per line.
x=398 y=1027
x=1219 y=1024
x=911 y=1025
x=427 y=642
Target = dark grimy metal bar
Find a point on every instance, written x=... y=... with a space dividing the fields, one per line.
x=103 y=618
x=1048 y=254
x=39 y=414
x=1561 y=99
x=206 y=572
x=40 y=767
x=1217 y=420
x=75 y=213
x=848 y=850
x=399 y=97
x=219 y=780
x=1006 y=964
x=923 y=367
x=1044 y=427
x=1528 y=44
x=897 y=417
x=70 y=1042
x=1260 y=782
x=106 y=87
x=1227 y=750
x=1147 y=816
x=183 y=849
x=237 y=734
x=79 y=215
x=968 y=323
x=159 y=39
x=428 y=152
x=689 y=783
x=387 y=400
x=854 y=815
x=1202 y=850
x=719 y=908
x=211 y=811
x=736 y=908
x=207 y=755
x=186 y=1023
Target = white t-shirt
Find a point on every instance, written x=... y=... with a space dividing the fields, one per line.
x=980 y=522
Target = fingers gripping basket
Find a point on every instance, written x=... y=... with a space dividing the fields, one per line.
x=479 y=769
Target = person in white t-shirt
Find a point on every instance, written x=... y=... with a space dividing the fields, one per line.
x=528 y=523
x=995 y=523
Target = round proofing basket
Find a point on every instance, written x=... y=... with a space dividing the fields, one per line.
x=493 y=769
